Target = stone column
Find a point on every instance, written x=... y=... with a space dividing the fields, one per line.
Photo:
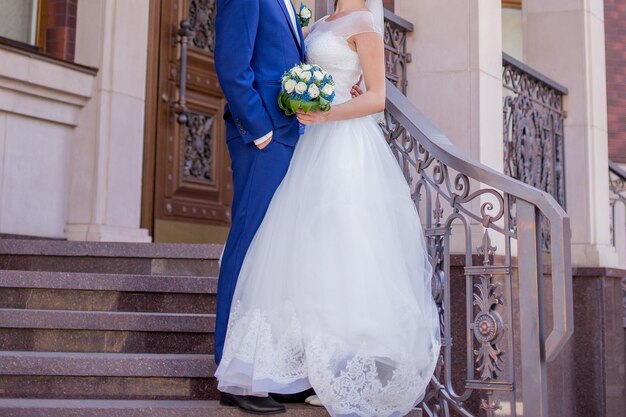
x=107 y=149
x=455 y=76
x=565 y=41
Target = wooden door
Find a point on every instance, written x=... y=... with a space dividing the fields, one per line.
x=187 y=179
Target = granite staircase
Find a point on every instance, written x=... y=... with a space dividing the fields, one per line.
x=110 y=330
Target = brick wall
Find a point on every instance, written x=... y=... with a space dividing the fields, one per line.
x=615 y=28
x=61 y=28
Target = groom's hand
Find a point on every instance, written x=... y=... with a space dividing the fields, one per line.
x=265 y=144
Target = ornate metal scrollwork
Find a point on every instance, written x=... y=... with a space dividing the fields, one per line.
x=396 y=55
x=488 y=324
x=534 y=131
x=198 y=137
x=202 y=19
x=444 y=198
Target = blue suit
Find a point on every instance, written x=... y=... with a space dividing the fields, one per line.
x=255 y=44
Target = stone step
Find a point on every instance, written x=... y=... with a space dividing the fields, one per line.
x=122 y=408
x=107 y=364
x=110 y=257
x=107 y=292
x=109 y=388
x=80 y=300
x=74 y=375
x=110 y=249
x=111 y=341
x=106 y=320
x=108 y=282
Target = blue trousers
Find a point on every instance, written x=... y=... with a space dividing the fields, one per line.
x=256 y=176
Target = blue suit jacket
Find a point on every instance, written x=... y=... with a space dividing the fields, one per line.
x=255 y=44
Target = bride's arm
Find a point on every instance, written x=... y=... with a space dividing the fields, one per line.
x=371 y=50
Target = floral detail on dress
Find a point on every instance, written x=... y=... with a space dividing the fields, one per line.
x=347 y=382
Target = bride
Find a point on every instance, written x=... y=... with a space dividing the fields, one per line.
x=334 y=293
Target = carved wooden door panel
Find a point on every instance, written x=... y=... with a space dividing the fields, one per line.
x=192 y=179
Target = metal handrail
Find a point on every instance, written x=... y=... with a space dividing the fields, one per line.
x=438 y=145
x=508 y=59
x=617 y=170
x=399 y=21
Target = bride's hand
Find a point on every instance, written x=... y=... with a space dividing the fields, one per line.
x=313 y=117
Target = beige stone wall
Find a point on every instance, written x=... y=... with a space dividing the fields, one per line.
x=40 y=105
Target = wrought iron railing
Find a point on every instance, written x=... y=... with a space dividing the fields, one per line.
x=533 y=128
x=497 y=231
x=396 y=55
x=617 y=187
x=534 y=131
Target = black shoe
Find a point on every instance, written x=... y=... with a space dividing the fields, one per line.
x=252 y=404
x=293 y=398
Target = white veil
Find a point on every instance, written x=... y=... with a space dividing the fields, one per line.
x=378 y=10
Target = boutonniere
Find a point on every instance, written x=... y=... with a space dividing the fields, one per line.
x=304 y=15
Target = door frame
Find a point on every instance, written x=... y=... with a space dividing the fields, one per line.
x=151 y=113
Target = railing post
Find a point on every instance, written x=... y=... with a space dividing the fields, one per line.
x=530 y=277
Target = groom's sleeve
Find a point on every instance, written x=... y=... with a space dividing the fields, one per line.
x=236 y=27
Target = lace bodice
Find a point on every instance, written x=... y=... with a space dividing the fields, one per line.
x=327 y=46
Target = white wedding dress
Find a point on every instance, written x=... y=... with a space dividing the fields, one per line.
x=335 y=293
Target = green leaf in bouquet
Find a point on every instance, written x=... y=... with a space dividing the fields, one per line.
x=283 y=103
x=294 y=105
x=324 y=104
x=281 y=99
x=315 y=105
x=307 y=106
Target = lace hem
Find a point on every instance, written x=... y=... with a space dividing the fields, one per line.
x=347 y=380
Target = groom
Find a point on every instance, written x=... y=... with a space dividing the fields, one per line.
x=256 y=42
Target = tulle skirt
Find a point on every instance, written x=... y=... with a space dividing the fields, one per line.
x=335 y=292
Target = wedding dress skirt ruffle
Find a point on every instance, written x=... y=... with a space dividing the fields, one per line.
x=335 y=289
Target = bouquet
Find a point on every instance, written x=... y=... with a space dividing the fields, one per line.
x=304 y=15
x=306 y=87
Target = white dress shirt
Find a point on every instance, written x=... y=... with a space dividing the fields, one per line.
x=292 y=15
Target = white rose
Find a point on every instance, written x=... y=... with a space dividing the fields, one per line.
x=290 y=85
x=328 y=90
x=306 y=67
x=306 y=75
x=297 y=71
x=305 y=13
x=314 y=91
x=301 y=87
x=318 y=75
